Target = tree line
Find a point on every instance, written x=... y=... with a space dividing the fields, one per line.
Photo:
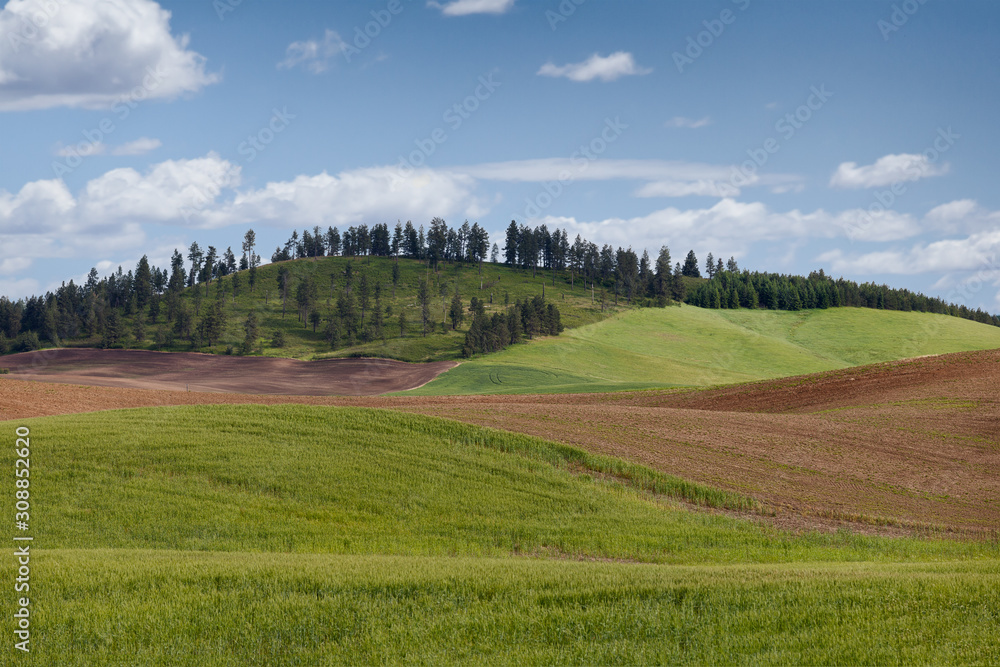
x=734 y=289
x=439 y=243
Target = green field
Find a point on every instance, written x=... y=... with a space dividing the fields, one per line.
x=292 y=534
x=664 y=347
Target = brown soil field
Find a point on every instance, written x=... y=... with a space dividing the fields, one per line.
x=900 y=446
x=179 y=371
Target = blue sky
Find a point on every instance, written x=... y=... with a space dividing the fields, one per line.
x=855 y=136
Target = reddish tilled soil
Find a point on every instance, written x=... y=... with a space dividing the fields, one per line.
x=903 y=445
x=215 y=373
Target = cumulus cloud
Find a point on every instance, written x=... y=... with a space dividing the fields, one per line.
x=140 y=146
x=466 y=7
x=92 y=54
x=349 y=197
x=887 y=170
x=976 y=252
x=690 y=123
x=730 y=226
x=44 y=219
x=614 y=66
x=312 y=54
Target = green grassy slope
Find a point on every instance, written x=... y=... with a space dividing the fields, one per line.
x=496 y=281
x=692 y=346
x=284 y=534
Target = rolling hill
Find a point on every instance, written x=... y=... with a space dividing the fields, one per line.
x=688 y=346
x=294 y=534
x=496 y=285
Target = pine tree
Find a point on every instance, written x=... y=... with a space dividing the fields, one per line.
x=378 y=321
x=510 y=250
x=402 y=323
x=142 y=284
x=691 y=266
x=457 y=312
x=113 y=330
x=251 y=332
x=424 y=297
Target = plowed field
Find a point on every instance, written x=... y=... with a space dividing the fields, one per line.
x=902 y=445
x=143 y=369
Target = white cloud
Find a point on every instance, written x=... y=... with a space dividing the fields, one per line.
x=953 y=211
x=84 y=149
x=962 y=215
x=617 y=65
x=165 y=193
x=580 y=168
x=887 y=170
x=729 y=226
x=313 y=55
x=140 y=146
x=92 y=54
x=466 y=7
x=19 y=287
x=45 y=220
x=13 y=265
x=702 y=188
x=349 y=197
x=667 y=178
x=691 y=123
x=977 y=252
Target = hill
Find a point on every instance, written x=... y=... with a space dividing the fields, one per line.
x=497 y=285
x=242 y=534
x=663 y=347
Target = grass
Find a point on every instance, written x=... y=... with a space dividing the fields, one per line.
x=167 y=608
x=664 y=347
x=302 y=535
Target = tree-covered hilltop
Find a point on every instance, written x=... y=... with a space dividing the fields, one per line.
x=404 y=293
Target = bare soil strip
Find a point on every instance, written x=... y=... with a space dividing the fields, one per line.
x=182 y=371
x=894 y=447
